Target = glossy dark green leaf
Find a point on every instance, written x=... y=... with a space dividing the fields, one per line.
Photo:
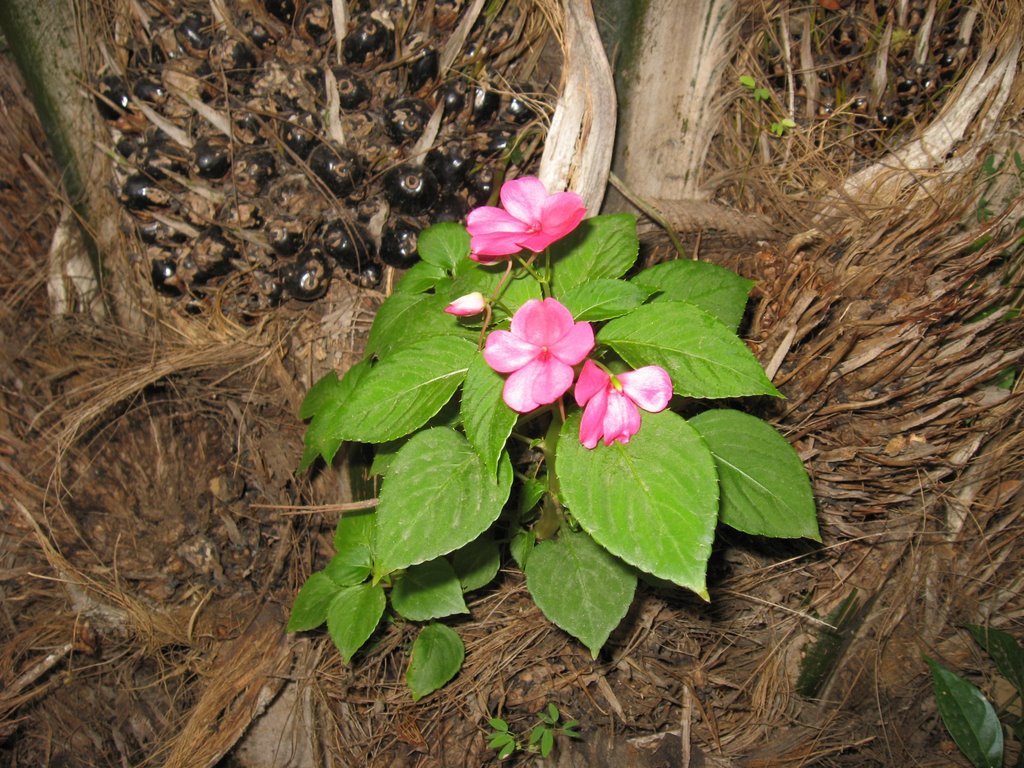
x=968 y=716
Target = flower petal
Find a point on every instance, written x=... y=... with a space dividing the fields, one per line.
x=542 y=322
x=575 y=345
x=505 y=352
x=621 y=419
x=552 y=379
x=494 y=232
x=649 y=387
x=524 y=199
x=591 y=381
x=592 y=423
x=537 y=383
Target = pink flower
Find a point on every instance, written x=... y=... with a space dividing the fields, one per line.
x=465 y=306
x=531 y=219
x=539 y=351
x=611 y=401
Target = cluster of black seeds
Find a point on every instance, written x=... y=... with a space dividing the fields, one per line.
x=259 y=158
x=922 y=57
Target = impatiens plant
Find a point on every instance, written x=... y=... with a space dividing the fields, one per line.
x=525 y=387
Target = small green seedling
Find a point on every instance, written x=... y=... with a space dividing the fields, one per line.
x=542 y=737
x=759 y=94
x=502 y=739
x=779 y=127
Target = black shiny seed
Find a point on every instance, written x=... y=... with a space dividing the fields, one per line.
x=233 y=57
x=300 y=133
x=130 y=144
x=348 y=243
x=369 y=276
x=450 y=163
x=112 y=97
x=480 y=185
x=163 y=273
x=316 y=20
x=485 y=105
x=423 y=69
x=149 y=91
x=308 y=277
x=451 y=208
x=411 y=189
x=405 y=118
x=398 y=243
x=211 y=157
x=253 y=171
x=500 y=140
x=247 y=128
x=518 y=111
x=282 y=9
x=161 y=156
x=257 y=33
x=286 y=234
x=337 y=167
x=140 y=192
x=370 y=41
x=352 y=90
x=194 y=34
x=155 y=232
x=454 y=94
x=212 y=254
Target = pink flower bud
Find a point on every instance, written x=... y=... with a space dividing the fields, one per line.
x=470 y=304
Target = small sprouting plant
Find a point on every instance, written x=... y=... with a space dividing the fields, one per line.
x=542 y=736
x=971 y=719
x=759 y=94
x=777 y=127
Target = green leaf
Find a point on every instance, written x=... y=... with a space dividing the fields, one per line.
x=320 y=396
x=747 y=81
x=404 y=390
x=521 y=546
x=477 y=563
x=406 y=318
x=652 y=502
x=580 y=586
x=600 y=247
x=420 y=278
x=309 y=610
x=486 y=419
x=354 y=532
x=968 y=716
x=437 y=497
x=703 y=356
x=427 y=591
x=718 y=291
x=350 y=567
x=353 y=615
x=603 y=299
x=322 y=404
x=437 y=656
x=1005 y=652
x=445 y=245
x=765 y=488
